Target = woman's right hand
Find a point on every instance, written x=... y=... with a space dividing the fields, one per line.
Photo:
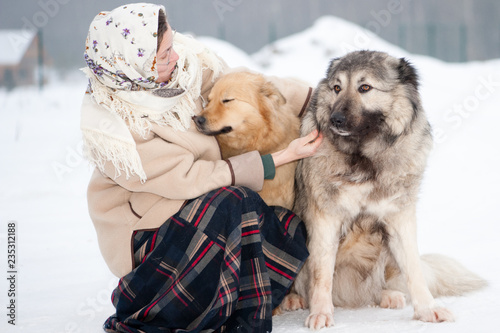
x=299 y=148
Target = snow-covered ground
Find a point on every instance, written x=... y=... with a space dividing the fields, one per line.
x=63 y=284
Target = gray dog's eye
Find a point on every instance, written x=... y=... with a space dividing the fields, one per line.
x=337 y=88
x=364 y=88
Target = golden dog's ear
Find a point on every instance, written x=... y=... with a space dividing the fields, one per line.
x=270 y=91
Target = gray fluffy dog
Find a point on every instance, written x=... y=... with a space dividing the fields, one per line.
x=358 y=196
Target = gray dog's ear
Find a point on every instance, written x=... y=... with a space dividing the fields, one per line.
x=330 y=72
x=407 y=74
x=270 y=91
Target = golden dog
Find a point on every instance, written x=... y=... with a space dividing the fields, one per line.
x=247 y=112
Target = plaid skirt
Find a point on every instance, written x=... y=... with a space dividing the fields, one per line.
x=221 y=264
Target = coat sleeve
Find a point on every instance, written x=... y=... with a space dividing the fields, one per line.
x=175 y=171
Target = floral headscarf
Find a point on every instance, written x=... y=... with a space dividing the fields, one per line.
x=121 y=47
x=123 y=96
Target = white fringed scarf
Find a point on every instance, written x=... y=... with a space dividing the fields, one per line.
x=123 y=96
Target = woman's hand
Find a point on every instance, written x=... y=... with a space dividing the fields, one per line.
x=298 y=149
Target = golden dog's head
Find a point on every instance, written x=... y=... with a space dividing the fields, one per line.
x=239 y=105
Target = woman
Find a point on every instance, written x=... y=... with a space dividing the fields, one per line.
x=194 y=246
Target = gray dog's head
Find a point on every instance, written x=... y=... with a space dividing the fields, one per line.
x=366 y=95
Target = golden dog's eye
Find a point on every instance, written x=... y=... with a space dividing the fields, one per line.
x=337 y=88
x=364 y=88
x=227 y=100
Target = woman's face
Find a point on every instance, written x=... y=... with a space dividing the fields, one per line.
x=166 y=57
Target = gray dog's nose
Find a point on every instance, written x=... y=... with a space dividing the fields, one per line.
x=338 y=119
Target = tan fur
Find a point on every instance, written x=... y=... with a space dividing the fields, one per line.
x=358 y=196
x=260 y=119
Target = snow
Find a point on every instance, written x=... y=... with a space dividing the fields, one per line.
x=14 y=43
x=63 y=284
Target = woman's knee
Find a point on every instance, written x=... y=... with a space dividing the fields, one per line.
x=244 y=196
x=235 y=198
x=242 y=191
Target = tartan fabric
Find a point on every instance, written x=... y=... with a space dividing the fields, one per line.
x=221 y=264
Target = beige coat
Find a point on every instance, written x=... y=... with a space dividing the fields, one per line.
x=179 y=166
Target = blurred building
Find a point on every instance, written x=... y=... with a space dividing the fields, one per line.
x=451 y=30
x=20 y=58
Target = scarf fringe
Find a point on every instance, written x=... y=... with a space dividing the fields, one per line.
x=179 y=115
x=98 y=148
x=132 y=107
